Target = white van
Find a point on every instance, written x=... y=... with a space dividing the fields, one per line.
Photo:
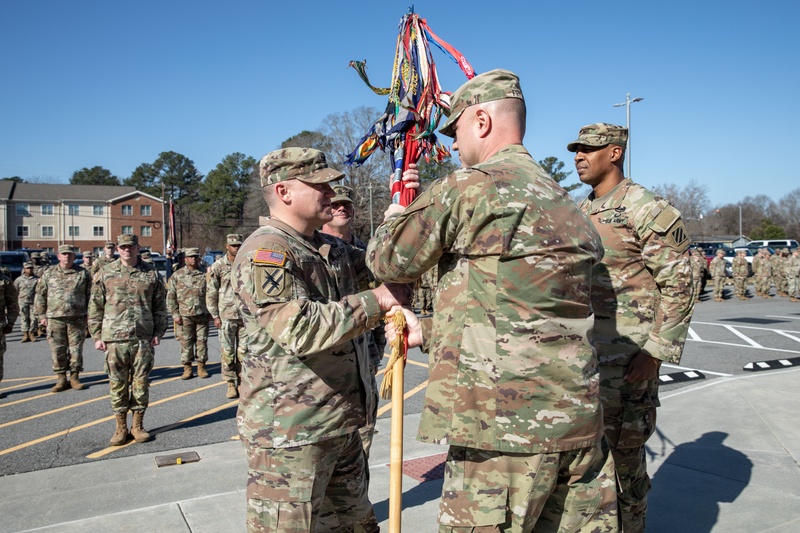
x=775 y=243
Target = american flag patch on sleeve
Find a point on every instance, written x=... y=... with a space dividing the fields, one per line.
x=269 y=257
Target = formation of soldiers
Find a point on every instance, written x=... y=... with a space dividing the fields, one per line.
x=780 y=270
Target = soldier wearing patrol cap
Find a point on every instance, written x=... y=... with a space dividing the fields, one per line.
x=512 y=319
x=88 y=260
x=306 y=368
x=186 y=302
x=9 y=309
x=221 y=304
x=718 y=275
x=26 y=289
x=105 y=258
x=642 y=298
x=792 y=269
x=127 y=319
x=61 y=302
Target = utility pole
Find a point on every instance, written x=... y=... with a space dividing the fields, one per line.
x=627 y=103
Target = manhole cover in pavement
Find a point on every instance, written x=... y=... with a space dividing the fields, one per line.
x=425 y=468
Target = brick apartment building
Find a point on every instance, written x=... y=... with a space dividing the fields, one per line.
x=44 y=216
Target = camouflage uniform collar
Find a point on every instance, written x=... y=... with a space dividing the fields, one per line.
x=315 y=241
x=613 y=198
x=510 y=149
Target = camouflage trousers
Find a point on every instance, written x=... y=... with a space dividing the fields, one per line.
x=779 y=282
x=698 y=287
x=286 y=486
x=2 y=353
x=793 y=286
x=763 y=284
x=27 y=317
x=128 y=365
x=491 y=492
x=233 y=341
x=740 y=286
x=719 y=287
x=629 y=413
x=194 y=339
x=66 y=337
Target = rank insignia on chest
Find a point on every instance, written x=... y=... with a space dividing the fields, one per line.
x=269 y=257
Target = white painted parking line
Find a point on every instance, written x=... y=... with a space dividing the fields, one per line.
x=742 y=336
x=748 y=346
x=786 y=317
x=694 y=336
x=788 y=336
x=678 y=367
x=740 y=326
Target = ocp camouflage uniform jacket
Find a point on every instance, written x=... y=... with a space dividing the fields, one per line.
x=63 y=293
x=305 y=376
x=220 y=300
x=186 y=293
x=26 y=288
x=739 y=267
x=127 y=303
x=717 y=268
x=9 y=305
x=699 y=265
x=791 y=267
x=642 y=291
x=512 y=367
x=101 y=261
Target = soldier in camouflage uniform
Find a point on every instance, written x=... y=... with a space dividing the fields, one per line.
x=9 y=310
x=514 y=385
x=306 y=373
x=776 y=267
x=127 y=319
x=146 y=257
x=757 y=260
x=186 y=302
x=61 y=299
x=26 y=289
x=792 y=271
x=740 y=271
x=426 y=289
x=40 y=264
x=105 y=258
x=699 y=267
x=221 y=304
x=764 y=274
x=643 y=300
x=782 y=284
x=717 y=270
x=88 y=261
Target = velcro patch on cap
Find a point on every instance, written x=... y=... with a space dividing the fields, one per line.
x=269 y=257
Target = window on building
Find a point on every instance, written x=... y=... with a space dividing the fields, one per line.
x=97 y=210
x=147 y=231
x=73 y=231
x=47 y=232
x=127 y=230
x=74 y=210
x=98 y=250
x=47 y=209
x=144 y=210
x=23 y=210
x=98 y=231
x=48 y=249
x=127 y=210
x=22 y=231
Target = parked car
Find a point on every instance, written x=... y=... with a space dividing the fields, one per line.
x=791 y=244
x=730 y=253
x=13 y=261
x=211 y=256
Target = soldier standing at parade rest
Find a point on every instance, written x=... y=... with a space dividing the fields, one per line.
x=757 y=261
x=699 y=267
x=784 y=283
x=127 y=319
x=41 y=263
x=306 y=374
x=9 y=309
x=514 y=385
x=221 y=304
x=776 y=268
x=740 y=271
x=61 y=299
x=186 y=302
x=792 y=270
x=105 y=258
x=718 y=275
x=26 y=289
x=764 y=273
x=643 y=300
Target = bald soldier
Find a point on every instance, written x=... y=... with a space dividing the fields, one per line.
x=514 y=387
x=306 y=306
x=643 y=300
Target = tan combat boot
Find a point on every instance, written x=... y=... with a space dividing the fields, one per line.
x=187 y=371
x=232 y=391
x=121 y=433
x=62 y=384
x=137 y=431
x=25 y=337
x=74 y=382
x=32 y=336
x=201 y=371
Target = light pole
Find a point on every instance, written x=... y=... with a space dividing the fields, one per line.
x=627 y=103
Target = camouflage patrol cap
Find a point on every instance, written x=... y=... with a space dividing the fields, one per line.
x=87 y=254
x=233 y=239
x=129 y=239
x=66 y=249
x=27 y=264
x=785 y=251
x=343 y=194
x=192 y=252
x=146 y=257
x=600 y=134
x=493 y=85
x=304 y=164
x=36 y=255
x=110 y=244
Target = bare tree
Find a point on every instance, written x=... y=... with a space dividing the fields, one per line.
x=692 y=201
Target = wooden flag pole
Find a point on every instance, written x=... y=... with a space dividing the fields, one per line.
x=396 y=451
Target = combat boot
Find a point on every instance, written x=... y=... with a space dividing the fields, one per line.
x=74 y=382
x=232 y=391
x=202 y=373
x=187 y=371
x=121 y=433
x=137 y=431
x=32 y=336
x=62 y=384
x=25 y=337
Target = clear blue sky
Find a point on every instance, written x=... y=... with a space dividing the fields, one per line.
x=88 y=83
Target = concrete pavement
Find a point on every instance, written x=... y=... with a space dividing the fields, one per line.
x=725 y=459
